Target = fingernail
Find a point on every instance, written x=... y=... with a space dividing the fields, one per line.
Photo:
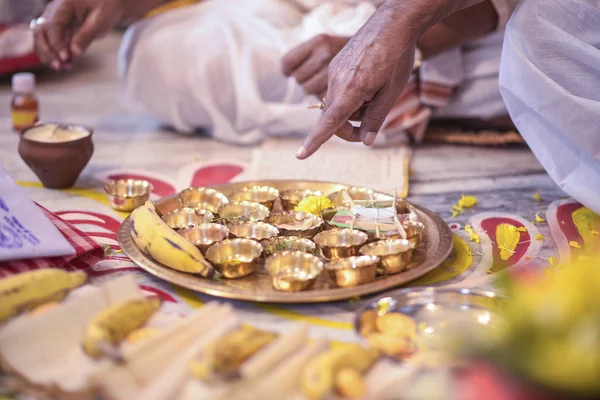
x=64 y=56
x=76 y=50
x=301 y=153
x=370 y=138
x=55 y=65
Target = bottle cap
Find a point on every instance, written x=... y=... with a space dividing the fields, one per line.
x=23 y=82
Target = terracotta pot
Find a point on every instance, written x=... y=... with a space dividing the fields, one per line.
x=57 y=164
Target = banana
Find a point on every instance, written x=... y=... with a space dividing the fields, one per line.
x=155 y=237
x=28 y=290
x=318 y=376
x=225 y=355
x=112 y=325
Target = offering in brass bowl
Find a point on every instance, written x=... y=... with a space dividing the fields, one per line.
x=414 y=233
x=264 y=195
x=340 y=243
x=396 y=254
x=244 y=211
x=353 y=271
x=357 y=195
x=254 y=230
x=235 y=258
x=292 y=223
x=186 y=218
x=291 y=198
x=204 y=235
x=293 y=271
x=128 y=194
x=288 y=243
x=200 y=198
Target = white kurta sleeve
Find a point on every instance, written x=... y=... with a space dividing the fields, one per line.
x=550 y=82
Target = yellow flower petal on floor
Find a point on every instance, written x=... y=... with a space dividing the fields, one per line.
x=537 y=197
x=522 y=229
x=552 y=261
x=467 y=201
x=458 y=208
x=507 y=239
x=314 y=205
x=454 y=214
x=539 y=236
x=473 y=237
x=574 y=244
x=539 y=219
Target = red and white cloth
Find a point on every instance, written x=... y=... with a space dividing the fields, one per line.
x=87 y=251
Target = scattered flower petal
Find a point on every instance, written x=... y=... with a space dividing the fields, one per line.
x=454 y=214
x=467 y=201
x=539 y=219
x=574 y=244
x=537 y=197
x=507 y=238
x=552 y=261
x=539 y=236
x=473 y=237
x=522 y=229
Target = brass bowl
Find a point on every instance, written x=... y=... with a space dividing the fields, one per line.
x=353 y=271
x=254 y=230
x=168 y=204
x=358 y=195
x=235 y=258
x=414 y=233
x=293 y=271
x=292 y=223
x=200 y=198
x=186 y=218
x=396 y=254
x=288 y=243
x=244 y=211
x=340 y=243
x=291 y=198
x=264 y=195
x=128 y=194
x=204 y=235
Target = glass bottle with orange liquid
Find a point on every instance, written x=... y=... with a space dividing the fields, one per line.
x=24 y=105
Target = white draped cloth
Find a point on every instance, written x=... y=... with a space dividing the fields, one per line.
x=550 y=81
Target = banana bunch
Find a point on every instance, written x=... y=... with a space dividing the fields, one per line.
x=155 y=237
x=225 y=355
x=112 y=325
x=29 y=290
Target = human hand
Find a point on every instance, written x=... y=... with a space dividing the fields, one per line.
x=309 y=61
x=71 y=25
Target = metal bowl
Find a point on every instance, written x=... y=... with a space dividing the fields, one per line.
x=168 y=204
x=357 y=195
x=254 y=230
x=293 y=271
x=292 y=223
x=128 y=194
x=288 y=243
x=291 y=198
x=235 y=258
x=414 y=233
x=204 y=235
x=353 y=271
x=200 y=198
x=340 y=243
x=396 y=255
x=186 y=218
x=244 y=211
x=265 y=195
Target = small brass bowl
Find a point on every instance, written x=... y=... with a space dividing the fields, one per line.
x=395 y=254
x=235 y=258
x=340 y=243
x=359 y=195
x=291 y=198
x=186 y=218
x=293 y=271
x=288 y=243
x=353 y=271
x=204 y=235
x=244 y=211
x=254 y=230
x=264 y=195
x=414 y=233
x=127 y=194
x=200 y=198
x=168 y=204
x=292 y=223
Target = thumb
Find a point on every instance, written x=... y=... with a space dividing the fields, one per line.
x=86 y=33
x=375 y=114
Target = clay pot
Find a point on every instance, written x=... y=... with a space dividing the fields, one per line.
x=57 y=164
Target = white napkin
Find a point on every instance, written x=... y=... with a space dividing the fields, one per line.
x=25 y=232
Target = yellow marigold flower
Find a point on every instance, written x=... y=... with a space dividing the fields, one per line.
x=314 y=205
x=467 y=201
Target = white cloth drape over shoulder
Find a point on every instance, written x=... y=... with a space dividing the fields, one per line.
x=550 y=81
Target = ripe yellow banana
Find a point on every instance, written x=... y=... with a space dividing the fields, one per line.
x=318 y=376
x=113 y=324
x=155 y=237
x=28 y=290
x=225 y=355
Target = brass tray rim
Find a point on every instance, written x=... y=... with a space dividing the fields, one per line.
x=381 y=285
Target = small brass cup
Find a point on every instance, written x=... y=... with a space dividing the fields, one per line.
x=200 y=198
x=128 y=194
x=396 y=254
x=204 y=235
x=292 y=223
x=358 y=195
x=414 y=233
x=186 y=218
x=293 y=271
x=168 y=204
x=264 y=195
x=291 y=198
x=340 y=243
x=243 y=211
x=235 y=258
x=353 y=271
x=288 y=243
x=254 y=230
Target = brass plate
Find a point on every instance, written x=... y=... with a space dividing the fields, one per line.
x=257 y=287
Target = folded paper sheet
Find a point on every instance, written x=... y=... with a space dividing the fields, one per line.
x=24 y=230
